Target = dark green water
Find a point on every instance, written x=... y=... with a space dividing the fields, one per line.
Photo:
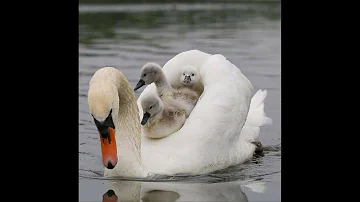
x=128 y=36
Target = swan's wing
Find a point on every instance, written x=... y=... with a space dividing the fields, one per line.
x=225 y=101
x=210 y=132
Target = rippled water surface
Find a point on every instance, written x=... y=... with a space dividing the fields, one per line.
x=127 y=37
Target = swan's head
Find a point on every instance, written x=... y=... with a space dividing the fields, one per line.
x=103 y=102
x=189 y=76
x=150 y=73
x=102 y=111
x=152 y=106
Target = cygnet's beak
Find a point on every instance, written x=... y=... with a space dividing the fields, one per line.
x=187 y=79
x=145 y=118
x=139 y=84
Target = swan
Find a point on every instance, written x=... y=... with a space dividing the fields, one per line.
x=219 y=132
x=161 y=118
x=152 y=73
x=190 y=78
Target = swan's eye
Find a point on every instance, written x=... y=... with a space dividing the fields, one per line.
x=151 y=107
x=184 y=74
x=192 y=74
x=144 y=74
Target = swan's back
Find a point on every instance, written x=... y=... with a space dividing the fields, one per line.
x=213 y=125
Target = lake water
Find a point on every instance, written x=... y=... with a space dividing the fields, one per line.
x=128 y=36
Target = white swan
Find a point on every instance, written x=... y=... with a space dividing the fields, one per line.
x=161 y=118
x=214 y=136
x=153 y=73
x=190 y=78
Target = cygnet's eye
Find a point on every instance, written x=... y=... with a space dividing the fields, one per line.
x=144 y=74
x=192 y=74
x=151 y=107
x=184 y=74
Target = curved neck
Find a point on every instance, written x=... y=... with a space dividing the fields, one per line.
x=162 y=85
x=128 y=131
x=129 y=118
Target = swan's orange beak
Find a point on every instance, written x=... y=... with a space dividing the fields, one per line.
x=106 y=130
x=108 y=148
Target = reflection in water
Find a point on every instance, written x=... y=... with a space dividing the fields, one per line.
x=169 y=192
x=110 y=196
x=158 y=195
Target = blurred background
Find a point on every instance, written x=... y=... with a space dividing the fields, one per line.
x=127 y=34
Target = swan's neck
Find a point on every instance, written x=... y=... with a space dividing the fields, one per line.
x=162 y=85
x=129 y=126
x=128 y=132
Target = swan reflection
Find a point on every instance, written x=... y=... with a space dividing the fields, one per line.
x=177 y=191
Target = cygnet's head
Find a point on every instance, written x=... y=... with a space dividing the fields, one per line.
x=150 y=73
x=189 y=76
x=151 y=105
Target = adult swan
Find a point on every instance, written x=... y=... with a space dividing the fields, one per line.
x=218 y=133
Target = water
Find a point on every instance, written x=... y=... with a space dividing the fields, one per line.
x=127 y=37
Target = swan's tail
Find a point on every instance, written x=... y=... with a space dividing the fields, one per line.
x=256 y=117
